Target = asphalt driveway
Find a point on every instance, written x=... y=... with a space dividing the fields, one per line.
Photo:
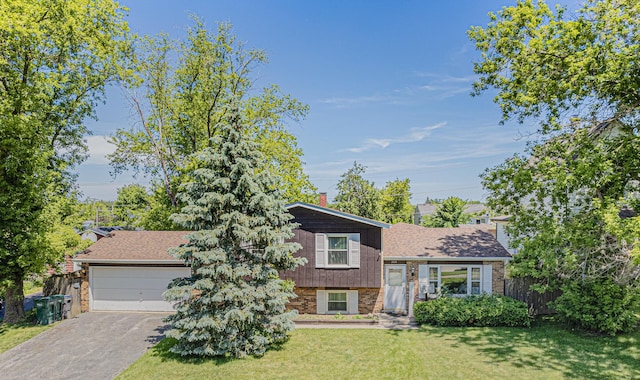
x=95 y=345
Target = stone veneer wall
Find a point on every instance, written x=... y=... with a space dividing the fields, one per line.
x=369 y=300
x=84 y=288
x=497 y=276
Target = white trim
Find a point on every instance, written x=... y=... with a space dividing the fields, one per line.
x=322 y=250
x=339 y=214
x=322 y=301
x=422 y=258
x=424 y=280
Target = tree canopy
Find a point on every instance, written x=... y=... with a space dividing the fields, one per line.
x=395 y=202
x=357 y=195
x=234 y=302
x=183 y=94
x=577 y=76
x=55 y=59
x=449 y=213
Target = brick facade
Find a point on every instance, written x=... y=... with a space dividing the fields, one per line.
x=369 y=300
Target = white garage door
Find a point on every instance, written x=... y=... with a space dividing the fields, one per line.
x=131 y=289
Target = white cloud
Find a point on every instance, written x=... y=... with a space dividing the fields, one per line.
x=99 y=148
x=415 y=135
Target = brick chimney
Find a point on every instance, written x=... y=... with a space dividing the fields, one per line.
x=323 y=200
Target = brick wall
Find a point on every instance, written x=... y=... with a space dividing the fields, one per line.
x=370 y=300
x=306 y=301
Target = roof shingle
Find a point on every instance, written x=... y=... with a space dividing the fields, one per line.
x=135 y=245
x=410 y=240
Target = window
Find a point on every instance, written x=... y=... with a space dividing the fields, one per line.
x=434 y=280
x=337 y=302
x=337 y=251
x=454 y=279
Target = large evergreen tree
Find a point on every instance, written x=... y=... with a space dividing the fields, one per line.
x=234 y=302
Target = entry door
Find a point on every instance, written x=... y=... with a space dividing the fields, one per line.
x=395 y=281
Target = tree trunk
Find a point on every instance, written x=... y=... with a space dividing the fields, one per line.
x=14 y=301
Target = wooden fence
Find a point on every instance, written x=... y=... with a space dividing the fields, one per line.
x=68 y=284
x=519 y=288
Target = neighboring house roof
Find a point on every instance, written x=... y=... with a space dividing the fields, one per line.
x=339 y=214
x=134 y=247
x=501 y=218
x=405 y=240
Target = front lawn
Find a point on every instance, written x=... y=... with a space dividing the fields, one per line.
x=13 y=335
x=544 y=351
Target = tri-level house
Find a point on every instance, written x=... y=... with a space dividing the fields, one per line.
x=344 y=253
x=354 y=265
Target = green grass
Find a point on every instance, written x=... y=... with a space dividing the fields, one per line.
x=31 y=287
x=13 y=335
x=544 y=351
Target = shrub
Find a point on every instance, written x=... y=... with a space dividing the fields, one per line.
x=601 y=306
x=481 y=310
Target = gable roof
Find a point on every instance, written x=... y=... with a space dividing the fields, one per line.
x=338 y=214
x=405 y=240
x=134 y=247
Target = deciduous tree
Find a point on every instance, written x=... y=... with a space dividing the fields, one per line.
x=449 y=213
x=396 y=202
x=578 y=77
x=55 y=59
x=357 y=195
x=183 y=95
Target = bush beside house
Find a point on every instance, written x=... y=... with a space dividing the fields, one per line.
x=481 y=311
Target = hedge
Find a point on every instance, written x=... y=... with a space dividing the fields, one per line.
x=481 y=310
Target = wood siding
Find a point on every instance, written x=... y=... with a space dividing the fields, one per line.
x=369 y=275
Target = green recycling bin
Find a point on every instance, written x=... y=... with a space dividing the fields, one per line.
x=43 y=310
x=58 y=301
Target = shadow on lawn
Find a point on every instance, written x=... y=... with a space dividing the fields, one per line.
x=575 y=354
x=162 y=350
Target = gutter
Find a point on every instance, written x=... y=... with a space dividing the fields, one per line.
x=127 y=261
x=457 y=258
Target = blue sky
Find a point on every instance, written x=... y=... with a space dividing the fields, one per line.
x=388 y=84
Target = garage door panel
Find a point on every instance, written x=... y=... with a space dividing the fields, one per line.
x=133 y=305
x=131 y=283
x=132 y=289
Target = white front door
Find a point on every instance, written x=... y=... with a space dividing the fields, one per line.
x=395 y=281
